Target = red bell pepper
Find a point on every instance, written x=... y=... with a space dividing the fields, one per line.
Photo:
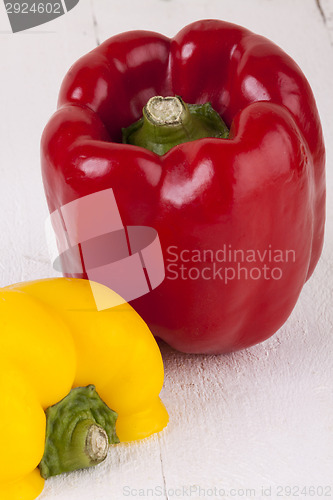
x=240 y=219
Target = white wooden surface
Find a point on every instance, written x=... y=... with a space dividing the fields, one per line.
x=258 y=418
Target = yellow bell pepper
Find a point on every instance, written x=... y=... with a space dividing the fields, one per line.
x=53 y=339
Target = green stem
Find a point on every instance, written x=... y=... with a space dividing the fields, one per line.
x=89 y=445
x=169 y=121
x=79 y=430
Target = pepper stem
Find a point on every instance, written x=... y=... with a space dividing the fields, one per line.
x=169 y=121
x=89 y=445
x=166 y=111
x=78 y=431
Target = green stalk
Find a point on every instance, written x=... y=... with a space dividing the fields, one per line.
x=79 y=430
x=169 y=121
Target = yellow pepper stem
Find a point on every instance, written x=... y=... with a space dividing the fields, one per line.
x=89 y=445
x=78 y=431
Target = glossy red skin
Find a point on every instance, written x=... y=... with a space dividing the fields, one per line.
x=263 y=186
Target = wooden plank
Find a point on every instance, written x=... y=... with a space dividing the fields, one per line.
x=129 y=470
x=325 y=8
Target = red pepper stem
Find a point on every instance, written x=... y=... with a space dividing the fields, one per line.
x=160 y=111
x=169 y=121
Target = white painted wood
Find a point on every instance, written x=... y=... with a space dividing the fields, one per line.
x=258 y=418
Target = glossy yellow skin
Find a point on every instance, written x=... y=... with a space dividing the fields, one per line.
x=53 y=338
